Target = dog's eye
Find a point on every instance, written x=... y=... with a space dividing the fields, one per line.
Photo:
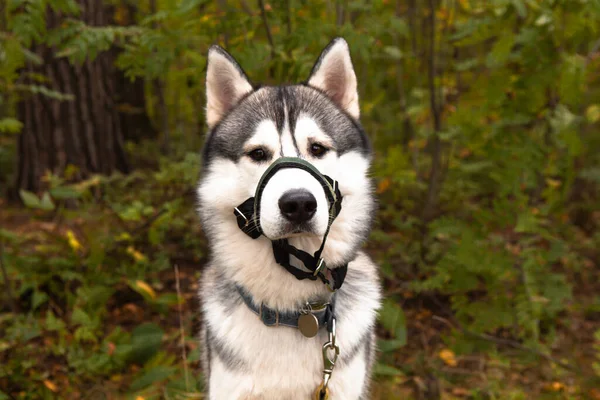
x=258 y=155
x=317 y=150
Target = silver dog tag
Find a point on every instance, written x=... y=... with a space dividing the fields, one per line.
x=308 y=325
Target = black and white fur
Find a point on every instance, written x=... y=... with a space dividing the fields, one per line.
x=243 y=358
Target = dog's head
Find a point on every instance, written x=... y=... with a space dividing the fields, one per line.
x=250 y=127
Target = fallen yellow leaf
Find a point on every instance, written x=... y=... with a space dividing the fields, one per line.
x=383 y=185
x=448 y=357
x=73 y=242
x=461 y=392
x=465 y=4
x=50 y=385
x=137 y=256
x=592 y=113
x=146 y=288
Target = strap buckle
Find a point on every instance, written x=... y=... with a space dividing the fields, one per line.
x=320 y=266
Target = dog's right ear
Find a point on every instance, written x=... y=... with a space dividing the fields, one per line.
x=226 y=84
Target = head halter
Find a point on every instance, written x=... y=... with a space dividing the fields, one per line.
x=248 y=219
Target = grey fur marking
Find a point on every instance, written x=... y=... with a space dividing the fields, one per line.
x=227 y=139
x=228 y=357
x=347 y=356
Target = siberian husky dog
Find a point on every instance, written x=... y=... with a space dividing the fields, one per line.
x=289 y=300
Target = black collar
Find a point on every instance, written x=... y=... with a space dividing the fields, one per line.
x=270 y=317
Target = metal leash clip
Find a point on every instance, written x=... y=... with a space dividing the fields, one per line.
x=331 y=353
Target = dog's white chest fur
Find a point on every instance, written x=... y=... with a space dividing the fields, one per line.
x=248 y=360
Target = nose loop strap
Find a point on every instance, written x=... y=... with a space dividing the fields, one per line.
x=247 y=216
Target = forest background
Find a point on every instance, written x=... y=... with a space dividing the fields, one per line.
x=485 y=120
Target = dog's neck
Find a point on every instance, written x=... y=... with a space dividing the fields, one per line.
x=250 y=264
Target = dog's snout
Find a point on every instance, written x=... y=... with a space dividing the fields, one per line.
x=298 y=205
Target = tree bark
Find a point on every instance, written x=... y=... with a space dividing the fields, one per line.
x=87 y=132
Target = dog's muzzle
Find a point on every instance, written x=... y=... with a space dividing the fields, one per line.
x=248 y=219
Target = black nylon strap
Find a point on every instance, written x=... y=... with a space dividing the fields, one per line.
x=334 y=277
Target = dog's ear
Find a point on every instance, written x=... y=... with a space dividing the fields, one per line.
x=334 y=74
x=226 y=84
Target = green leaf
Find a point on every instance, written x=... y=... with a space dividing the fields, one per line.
x=386 y=370
x=146 y=340
x=386 y=346
x=543 y=19
x=64 y=192
x=501 y=50
x=399 y=26
x=53 y=323
x=475 y=167
x=29 y=199
x=32 y=201
x=84 y=334
x=520 y=7
x=591 y=174
x=47 y=204
x=80 y=317
x=393 y=320
x=394 y=52
x=154 y=375
x=10 y=125
x=8 y=235
x=38 y=299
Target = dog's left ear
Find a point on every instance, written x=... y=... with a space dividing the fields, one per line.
x=334 y=74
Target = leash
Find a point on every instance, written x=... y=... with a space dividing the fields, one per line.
x=331 y=352
x=312 y=316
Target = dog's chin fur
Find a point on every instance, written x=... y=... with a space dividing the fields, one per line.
x=243 y=358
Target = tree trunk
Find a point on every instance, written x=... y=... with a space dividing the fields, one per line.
x=87 y=132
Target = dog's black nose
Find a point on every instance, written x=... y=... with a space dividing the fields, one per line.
x=298 y=205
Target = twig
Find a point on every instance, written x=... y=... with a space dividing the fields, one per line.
x=147 y=223
x=181 y=330
x=163 y=112
x=436 y=151
x=408 y=130
x=288 y=18
x=246 y=8
x=222 y=6
x=505 y=342
x=263 y=14
x=9 y=293
x=340 y=14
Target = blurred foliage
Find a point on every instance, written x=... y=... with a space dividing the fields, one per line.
x=484 y=117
